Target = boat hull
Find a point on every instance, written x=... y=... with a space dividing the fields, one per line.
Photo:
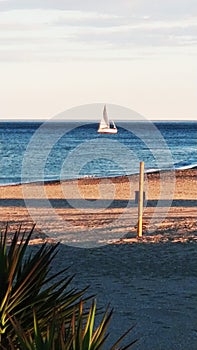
x=108 y=131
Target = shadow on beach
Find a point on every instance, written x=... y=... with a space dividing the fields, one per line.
x=98 y=204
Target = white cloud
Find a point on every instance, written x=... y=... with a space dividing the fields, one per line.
x=157 y=8
x=60 y=34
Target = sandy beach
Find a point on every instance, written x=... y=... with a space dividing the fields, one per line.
x=105 y=208
x=150 y=282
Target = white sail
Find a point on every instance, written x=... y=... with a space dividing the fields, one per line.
x=104 y=126
x=114 y=125
x=104 y=123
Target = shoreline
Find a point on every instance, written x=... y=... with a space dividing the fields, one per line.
x=96 y=178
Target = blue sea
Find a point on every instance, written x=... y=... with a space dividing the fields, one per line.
x=50 y=151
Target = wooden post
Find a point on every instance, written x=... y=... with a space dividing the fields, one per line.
x=140 y=199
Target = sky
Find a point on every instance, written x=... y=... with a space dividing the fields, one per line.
x=58 y=54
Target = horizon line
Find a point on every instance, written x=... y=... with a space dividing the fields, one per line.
x=42 y=120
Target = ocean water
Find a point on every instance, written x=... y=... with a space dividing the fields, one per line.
x=34 y=151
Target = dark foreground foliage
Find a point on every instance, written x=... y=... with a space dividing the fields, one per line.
x=37 y=312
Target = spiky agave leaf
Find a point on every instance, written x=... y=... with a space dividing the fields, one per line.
x=79 y=336
x=85 y=337
x=9 y=261
x=90 y=338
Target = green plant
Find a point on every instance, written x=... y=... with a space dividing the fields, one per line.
x=80 y=335
x=38 y=312
x=25 y=285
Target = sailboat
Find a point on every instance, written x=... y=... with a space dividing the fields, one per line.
x=106 y=126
